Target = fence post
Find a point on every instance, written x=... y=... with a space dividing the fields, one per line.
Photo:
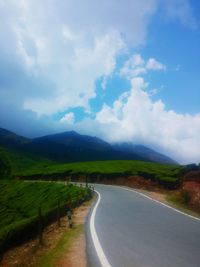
x=58 y=213
x=69 y=216
x=40 y=226
x=86 y=180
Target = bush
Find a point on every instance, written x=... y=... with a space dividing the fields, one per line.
x=19 y=204
x=189 y=168
x=5 y=167
x=185 y=197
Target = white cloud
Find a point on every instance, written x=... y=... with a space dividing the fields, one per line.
x=68 y=118
x=68 y=45
x=136 y=66
x=75 y=82
x=153 y=64
x=68 y=35
x=136 y=118
x=154 y=91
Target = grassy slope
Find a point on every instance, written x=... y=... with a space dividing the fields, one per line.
x=21 y=161
x=159 y=171
x=19 y=201
x=30 y=165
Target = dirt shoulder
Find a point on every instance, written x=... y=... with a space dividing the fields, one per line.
x=173 y=199
x=61 y=246
x=159 y=196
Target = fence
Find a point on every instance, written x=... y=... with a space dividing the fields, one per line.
x=22 y=231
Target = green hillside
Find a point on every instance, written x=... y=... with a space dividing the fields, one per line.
x=32 y=167
x=19 y=203
x=164 y=174
x=20 y=161
x=106 y=167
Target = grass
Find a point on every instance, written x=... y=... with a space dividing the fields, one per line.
x=179 y=201
x=154 y=171
x=28 y=166
x=19 y=203
x=105 y=167
x=63 y=246
x=21 y=161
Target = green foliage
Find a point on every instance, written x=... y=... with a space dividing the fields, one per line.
x=20 y=161
x=106 y=167
x=185 y=197
x=29 y=166
x=166 y=175
x=19 y=203
x=189 y=168
x=5 y=167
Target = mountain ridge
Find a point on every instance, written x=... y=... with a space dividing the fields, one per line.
x=71 y=146
x=144 y=151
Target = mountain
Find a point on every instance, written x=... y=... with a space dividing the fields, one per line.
x=64 y=147
x=74 y=147
x=11 y=140
x=145 y=152
x=74 y=140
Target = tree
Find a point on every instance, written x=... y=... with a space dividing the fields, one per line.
x=5 y=168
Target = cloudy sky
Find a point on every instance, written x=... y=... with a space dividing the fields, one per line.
x=121 y=70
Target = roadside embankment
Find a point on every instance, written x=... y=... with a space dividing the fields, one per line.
x=62 y=246
x=26 y=208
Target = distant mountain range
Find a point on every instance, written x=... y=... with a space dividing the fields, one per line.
x=145 y=152
x=74 y=147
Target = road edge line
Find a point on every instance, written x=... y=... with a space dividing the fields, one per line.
x=99 y=250
x=161 y=203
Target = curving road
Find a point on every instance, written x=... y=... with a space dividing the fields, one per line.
x=126 y=229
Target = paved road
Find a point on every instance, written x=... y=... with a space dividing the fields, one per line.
x=134 y=231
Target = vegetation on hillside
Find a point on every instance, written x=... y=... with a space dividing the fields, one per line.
x=160 y=173
x=107 y=167
x=20 y=201
x=190 y=168
x=28 y=166
x=21 y=161
x=5 y=167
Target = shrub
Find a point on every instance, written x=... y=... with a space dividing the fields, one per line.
x=5 y=167
x=185 y=197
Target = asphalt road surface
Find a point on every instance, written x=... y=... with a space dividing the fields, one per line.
x=126 y=229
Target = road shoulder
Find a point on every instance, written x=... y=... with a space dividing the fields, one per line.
x=169 y=199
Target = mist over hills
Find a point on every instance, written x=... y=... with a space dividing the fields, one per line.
x=143 y=151
x=74 y=147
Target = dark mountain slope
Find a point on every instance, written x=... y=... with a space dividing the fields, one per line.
x=11 y=140
x=74 y=147
x=145 y=152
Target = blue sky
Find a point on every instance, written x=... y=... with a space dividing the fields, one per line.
x=125 y=71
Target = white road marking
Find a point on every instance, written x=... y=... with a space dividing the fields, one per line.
x=157 y=201
x=100 y=253
x=99 y=250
